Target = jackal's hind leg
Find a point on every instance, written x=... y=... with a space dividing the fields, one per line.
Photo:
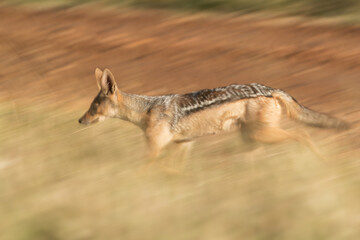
x=276 y=134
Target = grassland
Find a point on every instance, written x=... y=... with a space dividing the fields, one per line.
x=59 y=180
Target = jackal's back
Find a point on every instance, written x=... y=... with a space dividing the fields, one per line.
x=197 y=101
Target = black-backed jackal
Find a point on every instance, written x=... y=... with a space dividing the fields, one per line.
x=253 y=109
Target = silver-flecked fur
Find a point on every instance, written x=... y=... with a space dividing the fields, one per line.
x=178 y=106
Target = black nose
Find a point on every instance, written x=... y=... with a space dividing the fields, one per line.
x=80 y=120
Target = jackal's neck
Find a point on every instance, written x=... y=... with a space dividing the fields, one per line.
x=134 y=108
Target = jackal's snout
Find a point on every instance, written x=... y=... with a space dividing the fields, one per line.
x=87 y=119
x=83 y=120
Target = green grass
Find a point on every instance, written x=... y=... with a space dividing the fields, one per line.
x=59 y=180
x=292 y=7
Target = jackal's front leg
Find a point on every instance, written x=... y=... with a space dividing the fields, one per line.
x=179 y=155
x=155 y=146
x=158 y=136
x=155 y=149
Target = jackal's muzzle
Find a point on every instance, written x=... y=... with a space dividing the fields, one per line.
x=87 y=119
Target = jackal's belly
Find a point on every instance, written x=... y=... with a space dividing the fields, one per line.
x=214 y=120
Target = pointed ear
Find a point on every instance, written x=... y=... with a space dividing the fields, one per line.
x=98 y=74
x=107 y=82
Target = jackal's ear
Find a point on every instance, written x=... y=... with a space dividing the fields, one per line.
x=98 y=74
x=107 y=82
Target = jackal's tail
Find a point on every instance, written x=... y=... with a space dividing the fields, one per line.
x=302 y=114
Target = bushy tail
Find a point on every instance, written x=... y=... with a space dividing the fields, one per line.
x=302 y=114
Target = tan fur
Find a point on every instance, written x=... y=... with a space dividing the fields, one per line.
x=258 y=118
x=211 y=121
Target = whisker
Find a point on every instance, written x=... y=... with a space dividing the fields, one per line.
x=81 y=130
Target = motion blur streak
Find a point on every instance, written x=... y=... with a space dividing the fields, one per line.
x=59 y=180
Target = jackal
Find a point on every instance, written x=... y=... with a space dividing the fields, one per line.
x=253 y=109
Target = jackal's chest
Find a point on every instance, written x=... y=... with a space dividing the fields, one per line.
x=214 y=120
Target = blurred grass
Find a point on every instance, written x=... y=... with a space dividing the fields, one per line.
x=59 y=180
x=291 y=7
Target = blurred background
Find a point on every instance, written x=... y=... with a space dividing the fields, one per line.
x=60 y=180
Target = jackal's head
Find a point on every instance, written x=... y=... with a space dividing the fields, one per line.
x=105 y=104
